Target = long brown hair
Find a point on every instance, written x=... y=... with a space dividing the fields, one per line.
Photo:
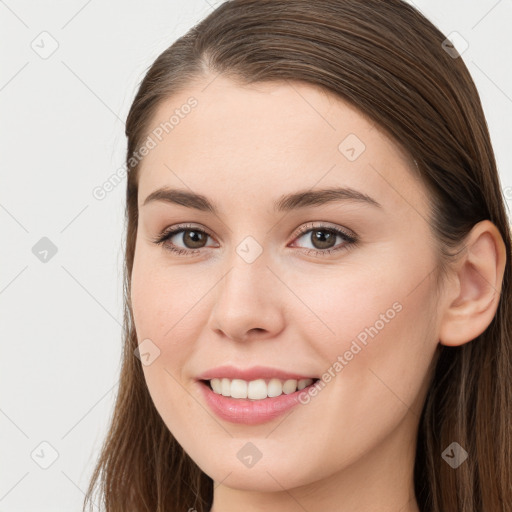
x=389 y=61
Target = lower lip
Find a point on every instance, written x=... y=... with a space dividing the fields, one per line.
x=249 y=412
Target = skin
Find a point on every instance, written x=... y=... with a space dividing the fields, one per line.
x=352 y=447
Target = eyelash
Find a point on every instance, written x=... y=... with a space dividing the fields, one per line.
x=169 y=233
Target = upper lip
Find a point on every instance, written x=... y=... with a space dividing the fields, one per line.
x=249 y=374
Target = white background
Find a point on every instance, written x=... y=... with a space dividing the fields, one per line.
x=62 y=135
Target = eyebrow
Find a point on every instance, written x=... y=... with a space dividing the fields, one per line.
x=288 y=202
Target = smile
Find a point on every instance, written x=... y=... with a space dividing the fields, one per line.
x=249 y=411
x=258 y=389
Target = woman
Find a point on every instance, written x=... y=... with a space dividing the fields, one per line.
x=317 y=278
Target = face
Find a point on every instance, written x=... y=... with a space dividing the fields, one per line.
x=336 y=288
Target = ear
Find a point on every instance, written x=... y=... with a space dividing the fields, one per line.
x=474 y=293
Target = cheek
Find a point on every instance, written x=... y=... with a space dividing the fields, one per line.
x=376 y=365
x=385 y=341
x=163 y=317
x=166 y=307
x=163 y=299
x=377 y=328
x=342 y=307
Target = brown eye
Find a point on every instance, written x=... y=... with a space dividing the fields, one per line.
x=189 y=240
x=323 y=239
x=183 y=240
x=193 y=239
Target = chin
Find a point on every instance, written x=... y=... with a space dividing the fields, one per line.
x=273 y=474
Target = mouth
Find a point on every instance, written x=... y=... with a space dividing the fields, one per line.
x=256 y=390
x=253 y=402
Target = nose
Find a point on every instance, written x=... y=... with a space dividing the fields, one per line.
x=248 y=302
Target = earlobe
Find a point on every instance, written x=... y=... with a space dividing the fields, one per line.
x=477 y=286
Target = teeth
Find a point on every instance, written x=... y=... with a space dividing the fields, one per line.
x=257 y=389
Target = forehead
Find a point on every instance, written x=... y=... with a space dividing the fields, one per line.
x=260 y=140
